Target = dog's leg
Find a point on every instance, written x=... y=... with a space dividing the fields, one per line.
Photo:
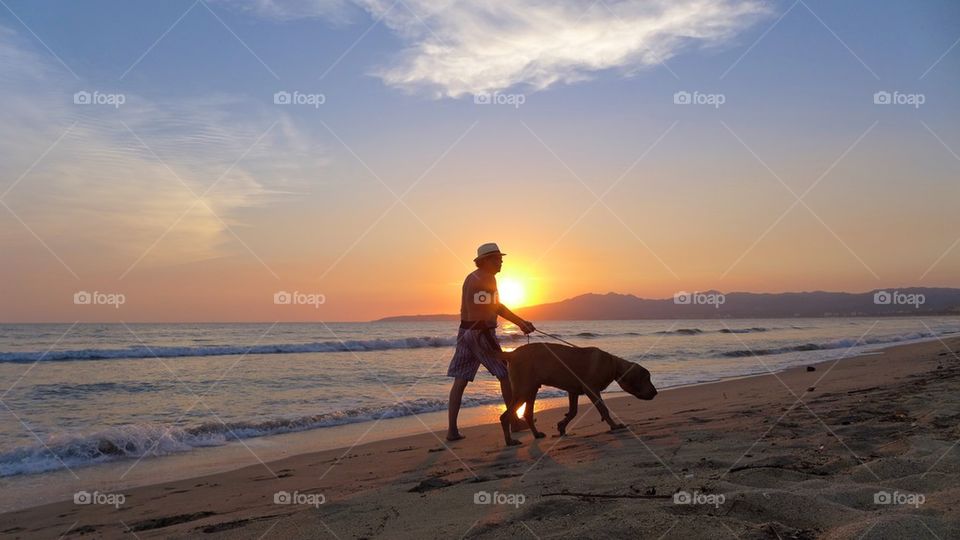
x=562 y=425
x=528 y=415
x=505 y=420
x=604 y=411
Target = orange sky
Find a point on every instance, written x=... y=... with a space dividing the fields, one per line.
x=659 y=231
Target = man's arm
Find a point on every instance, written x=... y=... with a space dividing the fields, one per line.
x=524 y=325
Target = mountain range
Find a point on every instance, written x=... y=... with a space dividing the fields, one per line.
x=716 y=305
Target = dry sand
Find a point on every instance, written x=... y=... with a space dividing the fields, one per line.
x=798 y=454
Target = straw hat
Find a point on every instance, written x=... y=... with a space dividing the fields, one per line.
x=486 y=250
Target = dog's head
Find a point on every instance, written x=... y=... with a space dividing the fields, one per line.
x=635 y=379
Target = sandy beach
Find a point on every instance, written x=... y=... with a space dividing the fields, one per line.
x=862 y=447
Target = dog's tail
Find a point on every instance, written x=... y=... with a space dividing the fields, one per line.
x=506 y=356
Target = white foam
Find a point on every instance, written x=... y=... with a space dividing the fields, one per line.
x=137 y=440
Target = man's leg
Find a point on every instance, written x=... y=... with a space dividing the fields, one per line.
x=506 y=391
x=453 y=408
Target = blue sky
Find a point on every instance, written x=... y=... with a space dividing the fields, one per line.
x=300 y=196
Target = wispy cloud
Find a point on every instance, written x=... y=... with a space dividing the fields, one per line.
x=462 y=47
x=121 y=177
x=470 y=47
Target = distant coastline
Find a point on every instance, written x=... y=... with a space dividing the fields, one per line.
x=892 y=302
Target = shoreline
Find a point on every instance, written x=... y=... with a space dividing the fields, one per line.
x=237 y=454
x=241 y=498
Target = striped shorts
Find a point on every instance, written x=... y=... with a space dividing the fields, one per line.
x=475 y=347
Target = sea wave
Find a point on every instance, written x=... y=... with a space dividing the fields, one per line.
x=742 y=330
x=697 y=331
x=134 y=441
x=363 y=345
x=145 y=351
x=681 y=332
x=845 y=343
x=226 y=350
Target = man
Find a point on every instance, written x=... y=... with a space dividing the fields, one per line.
x=476 y=340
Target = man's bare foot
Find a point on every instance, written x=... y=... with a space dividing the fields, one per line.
x=455 y=436
x=513 y=442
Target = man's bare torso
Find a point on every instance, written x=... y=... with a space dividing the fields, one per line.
x=479 y=301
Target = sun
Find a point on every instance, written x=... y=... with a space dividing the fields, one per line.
x=511 y=292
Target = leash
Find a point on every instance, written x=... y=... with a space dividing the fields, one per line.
x=554 y=337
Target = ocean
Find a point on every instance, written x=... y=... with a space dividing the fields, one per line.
x=77 y=396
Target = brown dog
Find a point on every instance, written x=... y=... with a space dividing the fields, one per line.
x=578 y=370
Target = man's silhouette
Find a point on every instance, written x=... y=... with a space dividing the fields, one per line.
x=476 y=340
